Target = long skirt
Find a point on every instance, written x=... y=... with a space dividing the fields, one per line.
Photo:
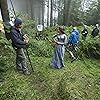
x=58 y=56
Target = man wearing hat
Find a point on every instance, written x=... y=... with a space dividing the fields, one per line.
x=19 y=41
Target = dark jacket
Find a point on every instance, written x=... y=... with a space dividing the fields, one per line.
x=17 y=38
x=84 y=32
x=95 y=32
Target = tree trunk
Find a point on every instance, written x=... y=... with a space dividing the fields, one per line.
x=39 y=15
x=55 y=12
x=27 y=6
x=48 y=14
x=31 y=9
x=68 y=12
x=4 y=11
x=51 y=14
x=60 y=12
x=5 y=16
x=42 y=14
x=67 y=4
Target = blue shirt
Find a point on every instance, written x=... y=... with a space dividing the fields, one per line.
x=74 y=37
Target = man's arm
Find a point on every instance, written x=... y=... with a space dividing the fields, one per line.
x=15 y=38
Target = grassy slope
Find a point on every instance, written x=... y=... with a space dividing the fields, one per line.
x=79 y=80
x=76 y=81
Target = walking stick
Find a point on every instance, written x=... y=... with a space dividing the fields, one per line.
x=29 y=60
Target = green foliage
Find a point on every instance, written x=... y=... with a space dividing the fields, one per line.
x=41 y=48
x=91 y=47
x=80 y=11
x=77 y=85
x=4 y=43
x=5 y=50
x=88 y=47
x=79 y=80
x=74 y=81
x=92 y=14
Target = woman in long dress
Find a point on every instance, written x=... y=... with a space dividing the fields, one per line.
x=60 y=40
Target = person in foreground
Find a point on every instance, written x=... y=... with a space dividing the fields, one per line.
x=19 y=41
x=60 y=40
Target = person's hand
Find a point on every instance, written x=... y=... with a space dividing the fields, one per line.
x=25 y=36
x=55 y=42
x=26 y=39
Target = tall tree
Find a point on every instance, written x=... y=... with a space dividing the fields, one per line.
x=93 y=13
x=31 y=9
x=55 y=12
x=74 y=14
x=27 y=11
x=60 y=12
x=69 y=13
x=4 y=10
x=5 y=16
x=43 y=13
x=51 y=13
x=48 y=2
x=66 y=14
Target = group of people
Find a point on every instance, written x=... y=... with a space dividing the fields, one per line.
x=60 y=41
x=20 y=41
x=72 y=41
x=95 y=31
